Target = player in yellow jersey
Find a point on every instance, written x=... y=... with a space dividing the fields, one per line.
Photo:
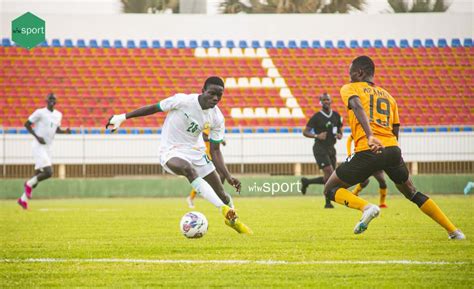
x=373 y=118
x=377 y=175
x=205 y=136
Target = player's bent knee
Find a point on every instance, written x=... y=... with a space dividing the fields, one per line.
x=189 y=171
x=331 y=193
x=382 y=184
x=48 y=172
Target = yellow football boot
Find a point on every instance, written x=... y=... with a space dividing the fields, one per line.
x=239 y=227
x=232 y=220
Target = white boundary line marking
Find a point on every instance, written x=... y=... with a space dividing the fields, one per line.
x=76 y=210
x=237 y=262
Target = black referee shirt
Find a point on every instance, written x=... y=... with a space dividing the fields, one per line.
x=330 y=123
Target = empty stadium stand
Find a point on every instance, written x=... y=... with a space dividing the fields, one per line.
x=432 y=81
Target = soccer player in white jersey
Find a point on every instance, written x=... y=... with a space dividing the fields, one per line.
x=47 y=122
x=182 y=152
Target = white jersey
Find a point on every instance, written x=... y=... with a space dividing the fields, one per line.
x=46 y=123
x=185 y=122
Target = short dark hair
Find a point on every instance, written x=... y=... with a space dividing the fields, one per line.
x=365 y=64
x=323 y=95
x=213 y=80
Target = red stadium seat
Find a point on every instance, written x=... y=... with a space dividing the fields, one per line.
x=434 y=85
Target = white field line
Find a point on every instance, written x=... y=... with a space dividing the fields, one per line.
x=234 y=262
x=76 y=209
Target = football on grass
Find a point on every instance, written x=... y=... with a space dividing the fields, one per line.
x=193 y=225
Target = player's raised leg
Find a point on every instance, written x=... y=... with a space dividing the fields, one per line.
x=193 y=194
x=337 y=191
x=215 y=182
x=305 y=182
x=41 y=175
x=430 y=208
x=184 y=168
x=398 y=173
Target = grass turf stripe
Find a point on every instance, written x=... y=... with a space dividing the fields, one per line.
x=235 y=262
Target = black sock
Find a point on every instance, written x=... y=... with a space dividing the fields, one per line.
x=328 y=201
x=319 y=180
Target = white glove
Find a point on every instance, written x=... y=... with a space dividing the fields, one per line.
x=116 y=120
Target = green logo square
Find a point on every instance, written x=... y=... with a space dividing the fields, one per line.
x=28 y=30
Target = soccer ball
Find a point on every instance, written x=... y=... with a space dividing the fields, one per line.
x=193 y=225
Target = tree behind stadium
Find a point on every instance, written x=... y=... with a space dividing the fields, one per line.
x=404 y=6
x=292 y=6
x=149 y=6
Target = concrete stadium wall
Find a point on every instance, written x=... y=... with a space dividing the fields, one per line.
x=179 y=187
x=253 y=27
x=240 y=149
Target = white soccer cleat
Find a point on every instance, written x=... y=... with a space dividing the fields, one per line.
x=369 y=214
x=190 y=202
x=457 y=235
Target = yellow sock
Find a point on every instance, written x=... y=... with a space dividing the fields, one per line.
x=431 y=209
x=383 y=194
x=345 y=197
x=192 y=195
x=357 y=190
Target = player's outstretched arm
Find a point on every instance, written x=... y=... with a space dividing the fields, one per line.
x=218 y=161
x=63 y=131
x=356 y=106
x=117 y=119
x=30 y=130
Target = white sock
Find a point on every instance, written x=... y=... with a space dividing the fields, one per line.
x=206 y=191
x=33 y=181
x=231 y=202
x=24 y=198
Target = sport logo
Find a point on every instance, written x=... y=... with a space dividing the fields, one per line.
x=28 y=30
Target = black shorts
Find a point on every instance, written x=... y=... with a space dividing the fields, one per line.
x=363 y=164
x=325 y=156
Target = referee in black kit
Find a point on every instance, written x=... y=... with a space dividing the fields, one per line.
x=324 y=127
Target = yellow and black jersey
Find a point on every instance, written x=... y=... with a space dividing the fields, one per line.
x=381 y=109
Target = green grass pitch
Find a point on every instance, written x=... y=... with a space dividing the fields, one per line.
x=107 y=242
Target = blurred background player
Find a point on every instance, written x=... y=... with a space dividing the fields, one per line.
x=324 y=127
x=377 y=175
x=468 y=187
x=181 y=152
x=205 y=138
x=47 y=122
x=374 y=121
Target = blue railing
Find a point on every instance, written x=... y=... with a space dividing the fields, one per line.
x=340 y=44
x=245 y=130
